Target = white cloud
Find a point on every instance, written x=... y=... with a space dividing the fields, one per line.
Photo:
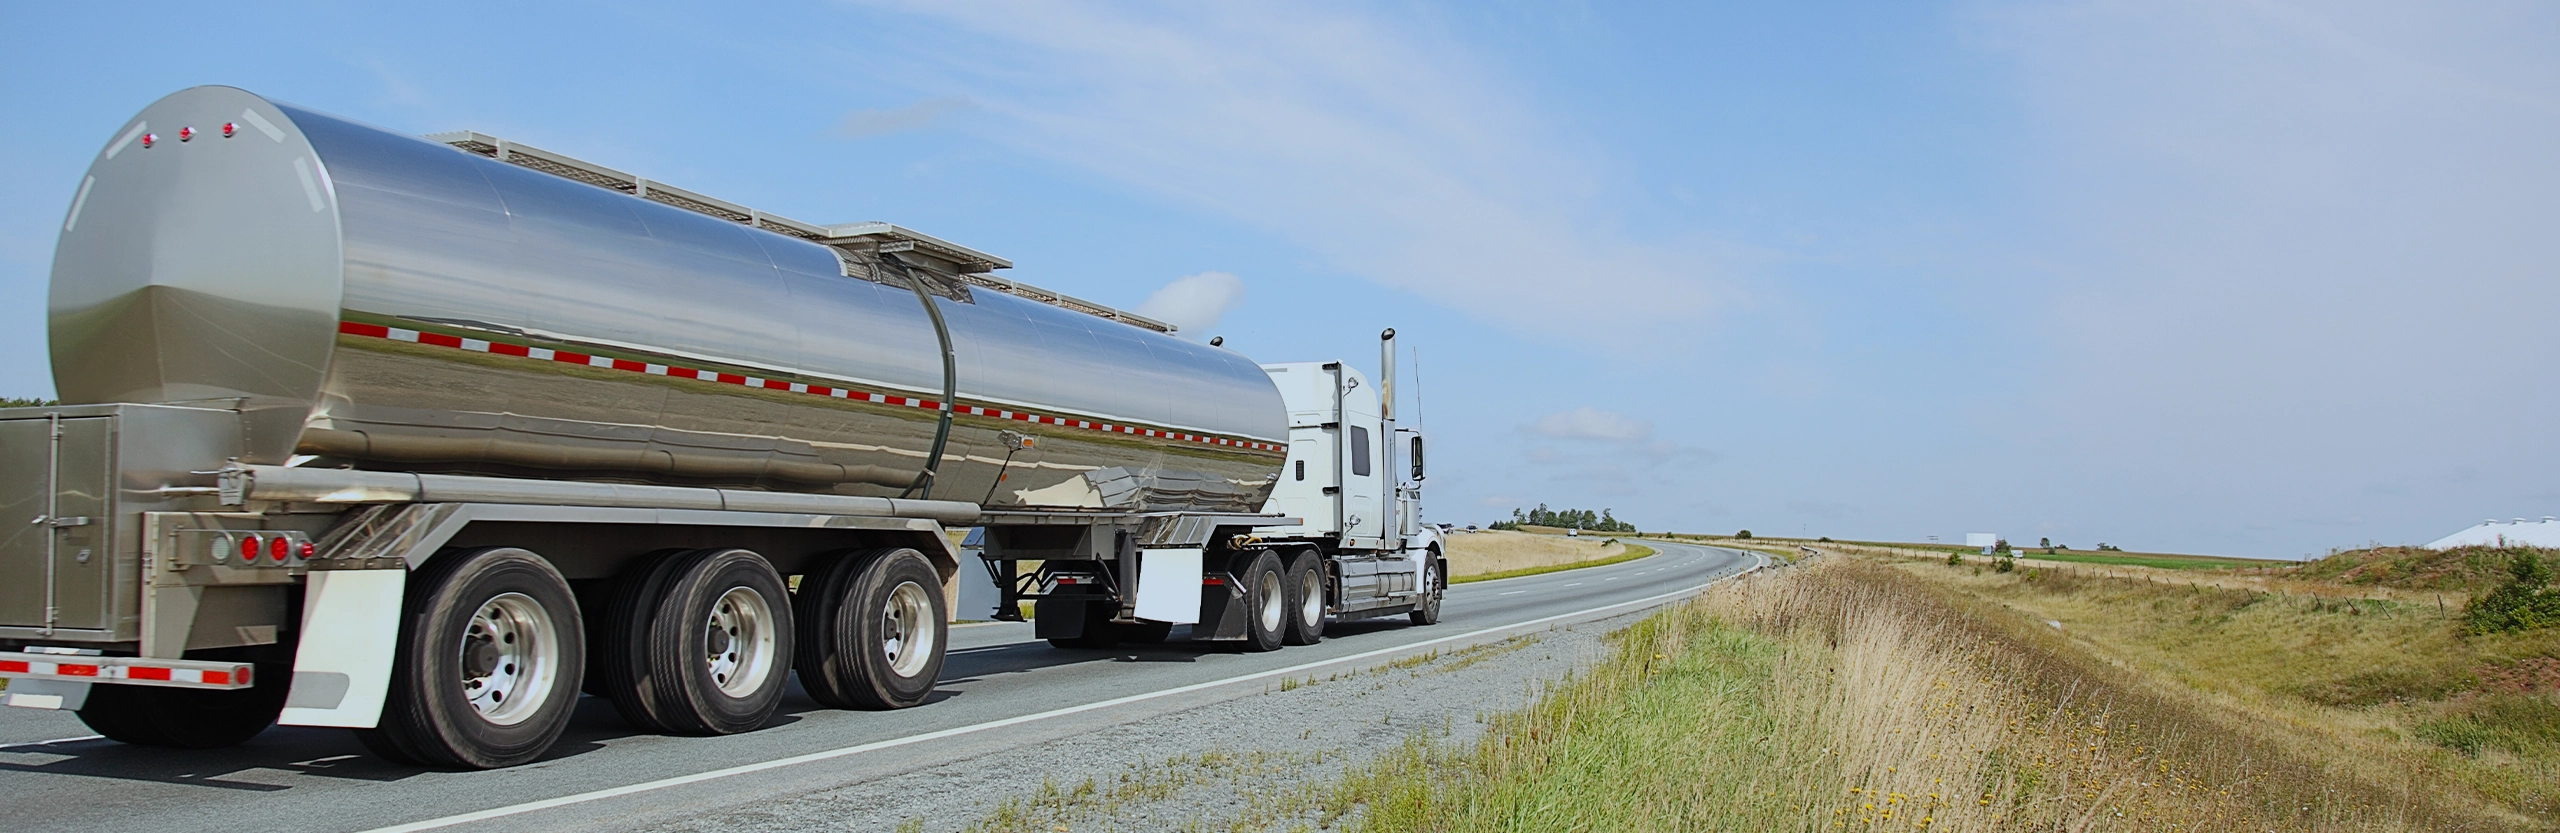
x=1195 y=303
x=2298 y=246
x=861 y=124
x=1385 y=148
x=1589 y=423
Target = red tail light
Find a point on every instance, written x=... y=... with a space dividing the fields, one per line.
x=249 y=547
x=279 y=547
x=307 y=550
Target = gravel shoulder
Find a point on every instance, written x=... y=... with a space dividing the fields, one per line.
x=1259 y=761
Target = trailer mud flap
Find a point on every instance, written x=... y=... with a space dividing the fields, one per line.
x=1169 y=585
x=350 y=632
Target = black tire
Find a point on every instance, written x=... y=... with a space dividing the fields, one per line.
x=847 y=659
x=1306 y=598
x=489 y=661
x=188 y=718
x=1150 y=633
x=899 y=628
x=1426 y=611
x=1266 y=602
x=718 y=643
x=620 y=647
x=1099 y=631
x=823 y=593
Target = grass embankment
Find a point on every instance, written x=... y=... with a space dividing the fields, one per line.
x=2468 y=570
x=1484 y=556
x=1863 y=694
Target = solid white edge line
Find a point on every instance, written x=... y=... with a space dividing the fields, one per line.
x=49 y=742
x=956 y=731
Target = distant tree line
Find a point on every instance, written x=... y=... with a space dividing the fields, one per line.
x=1583 y=519
x=13 y=402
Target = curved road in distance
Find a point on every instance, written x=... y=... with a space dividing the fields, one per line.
x=1000 y=689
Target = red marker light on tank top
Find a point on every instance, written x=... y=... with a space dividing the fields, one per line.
x=186 y=134
x=147 y=139
x=228 y=129
x=249 y=546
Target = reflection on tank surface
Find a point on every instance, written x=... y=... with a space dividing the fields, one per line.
x=491 y=317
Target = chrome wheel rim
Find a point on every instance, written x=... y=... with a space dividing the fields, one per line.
x=906 y=629
x=1311 y=590
x=738 y=641
x=509 y=658
x=1275 y=604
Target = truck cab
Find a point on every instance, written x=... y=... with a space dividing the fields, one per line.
x=1353 y=481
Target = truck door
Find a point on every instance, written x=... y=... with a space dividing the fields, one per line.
x=1362 y=506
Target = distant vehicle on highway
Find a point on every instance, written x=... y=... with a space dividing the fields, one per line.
x=420 y=436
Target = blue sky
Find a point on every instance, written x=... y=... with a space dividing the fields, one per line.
x=2261 y=278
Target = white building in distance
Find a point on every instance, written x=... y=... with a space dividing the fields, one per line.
x=2496 y=533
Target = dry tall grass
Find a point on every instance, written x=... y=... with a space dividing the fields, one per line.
x=1849 y=696
x=1498 y=551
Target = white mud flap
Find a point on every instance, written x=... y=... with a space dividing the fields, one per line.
x=1169 y=586
x=350 y=632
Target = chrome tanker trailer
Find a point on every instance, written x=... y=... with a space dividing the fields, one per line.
x=422 y=436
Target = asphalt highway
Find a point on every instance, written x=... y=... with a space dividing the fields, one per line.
x=1000 y=689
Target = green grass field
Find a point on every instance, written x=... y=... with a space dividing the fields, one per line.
x=1634 y=551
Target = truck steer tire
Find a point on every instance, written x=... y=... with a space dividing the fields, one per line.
x=1306 y=598
x=490 y=655
x=873 y=630
x=619 y=646
x=1426 y=610
x=1266 y=602
x=718 y=643
x=188 y=718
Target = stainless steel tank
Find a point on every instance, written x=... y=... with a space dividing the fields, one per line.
x=373 y=299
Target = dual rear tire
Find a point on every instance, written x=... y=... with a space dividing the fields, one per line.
x=872 y=627
x=493 y=652
x=189 y=718
x=489 y=661
x=1306 y=598
x=697 y=642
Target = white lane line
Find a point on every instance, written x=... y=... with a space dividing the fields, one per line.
x=49 y=742
x=956 y=731
x=1512 y=593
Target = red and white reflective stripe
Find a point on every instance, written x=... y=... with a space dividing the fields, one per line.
x=565 y=357
x=181 y=673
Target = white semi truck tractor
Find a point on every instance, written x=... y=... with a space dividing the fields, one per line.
x=423 y=436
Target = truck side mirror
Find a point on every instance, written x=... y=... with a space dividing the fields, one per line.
x=1417 y=457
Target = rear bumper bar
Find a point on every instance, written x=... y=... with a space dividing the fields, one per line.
x=173 y=673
